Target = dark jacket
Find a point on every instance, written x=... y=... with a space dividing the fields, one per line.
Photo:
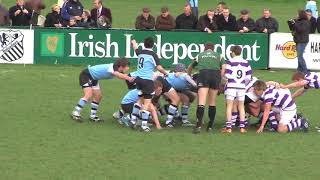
x=204 y=22
x=21 y=19
x=301 y=31
x=250 y=24
x=143 y=23
x=4 y=16
x=230 y=25
x=313 y=25
x=318 y=24
x=165 y=23
x=52 y=19
x=70 y=9
x=271 y=24
x=104 y=12
x=186 y=22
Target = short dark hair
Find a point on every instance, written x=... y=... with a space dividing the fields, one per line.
x=148 y=42
x=308 y=10
x=237 y=50
x=209 y=45
x=222 y=3
x=244 y=12
x=260 y=85
x=121 y=62
x=302 y=14
x=297 y=76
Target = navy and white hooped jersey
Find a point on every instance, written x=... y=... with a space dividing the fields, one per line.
x=147 y=61
x=238 y=72
x=313 y=80
x=102 y=71
x=178 y=83
x=280 y=98
x=131 y=97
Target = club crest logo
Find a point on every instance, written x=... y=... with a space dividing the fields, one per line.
x=11 y=45
x=52 y=42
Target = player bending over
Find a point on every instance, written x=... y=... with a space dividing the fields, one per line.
x=148 y=61
x=238 y=73
x=89 y=78
x=211 y=67
x=281 y=103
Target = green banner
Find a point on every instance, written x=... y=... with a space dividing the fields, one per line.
x=96 y=46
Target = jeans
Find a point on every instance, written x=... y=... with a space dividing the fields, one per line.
x=302 y=67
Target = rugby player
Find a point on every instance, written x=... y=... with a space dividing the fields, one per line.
x=88 y=80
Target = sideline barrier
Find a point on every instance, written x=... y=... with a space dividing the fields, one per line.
x=95 y=46
x=283 y=52
x=16 y=46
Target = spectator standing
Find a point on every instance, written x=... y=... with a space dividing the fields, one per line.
x=54 y=19
x=36 y=6
x=227 y=22
x=195 y=7
x=145 y=20
x=165 y=21
x=72 y=9
x=318 y=24
x=219 y=10
x=99 y=11
x=312 y=5
x=86 y=19
x=207 y=22
x=4 y=16
x=312 y=20
x=186 y=20
x=267 y=24
x=300 y=32
x=245 y=23
x=19 y=14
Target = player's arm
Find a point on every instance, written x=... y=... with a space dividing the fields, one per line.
x=222 y=65
x=123 y=76
x=189 y=79
x=298 y=93
x=267 y=109
x=154 y=115
x=134 y=44
x=297 y=84
x=158 y=65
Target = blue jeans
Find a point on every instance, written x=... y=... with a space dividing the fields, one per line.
x=302 y=67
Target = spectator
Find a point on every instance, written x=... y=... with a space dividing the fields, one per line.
x=267 y=24
x=54 y=19
x=207 y=22
x=73 y=22
x=86 y=19
x=19 y=14
x=145 y=20
x=318 y=24
x=219 y=10
x=312 y=21
x=194 y=6
x=4 y=16
x=72 y=9
x=186 y=20
x=312 y=5
x=36 y=6
x=165 y=21
x=227 y=22
x=103 y=22
x=245 y=23
x=99 y=11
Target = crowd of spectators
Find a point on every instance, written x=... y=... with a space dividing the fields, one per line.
x=71 y=13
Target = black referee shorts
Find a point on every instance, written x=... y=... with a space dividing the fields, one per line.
x=208 y=78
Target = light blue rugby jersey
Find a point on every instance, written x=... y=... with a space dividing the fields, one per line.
x=178 y=83
x=102 y=71
x=131 y=97
x=147 y=61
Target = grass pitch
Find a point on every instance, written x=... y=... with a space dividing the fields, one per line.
x=40 y=141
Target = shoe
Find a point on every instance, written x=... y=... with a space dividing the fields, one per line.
x=209 y=129
x=243 y=130
x=226 y=131
x=95 y=119
x=170 y=124
x=196 y=130
x=187 y=124
x=75 y=115
x=305 y=124
x=119 y=114
x=132 y=124
x=125 y=121
x=145 y=129
x=317 y=127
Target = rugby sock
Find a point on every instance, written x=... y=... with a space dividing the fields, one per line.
x=273 y=120
x=184 y=113
x=294 y=124
x=80 y=105
x=135 y=113
x=229 y=125
x=212 y=115
x=234 y=117
x=242 y=124
x=200 y=112
x=94 y=108
x=171 y=112
x=145 y=117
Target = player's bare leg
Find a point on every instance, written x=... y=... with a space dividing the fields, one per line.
x=242 y=117
x=212 y=96
x=76 y=113
x=173 y=107
x=97 y=96
x=202 y=98
x=229 y=108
